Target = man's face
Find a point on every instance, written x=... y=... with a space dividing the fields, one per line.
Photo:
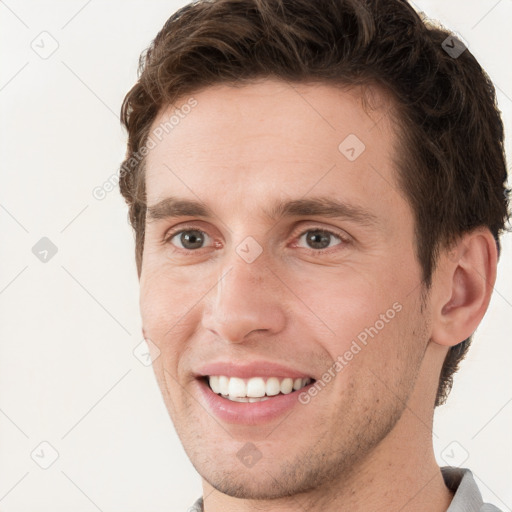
x=243 y=293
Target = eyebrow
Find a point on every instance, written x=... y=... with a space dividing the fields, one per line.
x=171 y=207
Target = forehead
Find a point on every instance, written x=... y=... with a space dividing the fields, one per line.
x=273 y=136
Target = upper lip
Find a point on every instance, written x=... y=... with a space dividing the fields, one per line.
x=249 y=370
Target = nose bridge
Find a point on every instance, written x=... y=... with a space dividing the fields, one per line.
x=245 y=300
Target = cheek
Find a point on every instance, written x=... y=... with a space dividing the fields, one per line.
x=163 y=314
x=345 y=302
x=371 y=323
x=167 y=294
x=171 y=302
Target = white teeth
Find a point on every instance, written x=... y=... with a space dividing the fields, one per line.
x=245 y=399
x=273 y=387
x=223 y=385
x=237 y=387
x=255 y=389
x=238 y=398
x=287 y=386
x=214 y=384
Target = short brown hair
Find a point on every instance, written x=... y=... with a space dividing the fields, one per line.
x=451 y=164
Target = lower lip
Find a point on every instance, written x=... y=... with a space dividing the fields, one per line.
x=249 y=413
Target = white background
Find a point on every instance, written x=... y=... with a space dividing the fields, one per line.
x=68 y=375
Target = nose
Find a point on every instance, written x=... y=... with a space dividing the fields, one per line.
x=247 y=299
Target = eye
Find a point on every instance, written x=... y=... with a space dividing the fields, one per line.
x=319 y=239
x=189 y=239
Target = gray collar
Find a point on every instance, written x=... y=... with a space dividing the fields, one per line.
x=467 y=496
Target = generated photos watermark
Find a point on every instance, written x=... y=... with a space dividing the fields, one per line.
x=357 y=345
x=157 y=134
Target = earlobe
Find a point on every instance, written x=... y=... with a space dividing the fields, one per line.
x=465 y=281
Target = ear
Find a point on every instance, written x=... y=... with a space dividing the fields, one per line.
x=464 y=283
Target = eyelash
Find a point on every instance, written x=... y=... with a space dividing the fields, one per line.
x=169 y=236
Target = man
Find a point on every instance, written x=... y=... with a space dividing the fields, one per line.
x=317 y=192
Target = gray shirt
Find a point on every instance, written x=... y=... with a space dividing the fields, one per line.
x=467 y=497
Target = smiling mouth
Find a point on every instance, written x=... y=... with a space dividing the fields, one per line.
x=255 y=389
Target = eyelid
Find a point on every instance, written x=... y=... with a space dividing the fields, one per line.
x=315 y=226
